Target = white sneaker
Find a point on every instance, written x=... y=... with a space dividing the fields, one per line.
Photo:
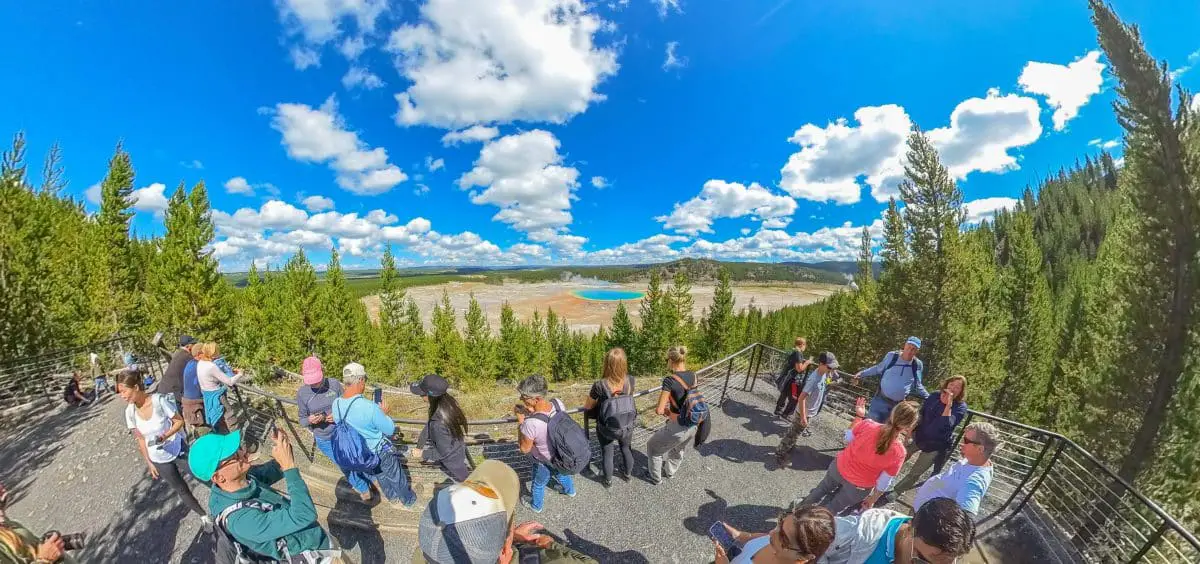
x=206 y=524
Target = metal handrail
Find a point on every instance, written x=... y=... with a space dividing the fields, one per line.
x=1066 y=444
x=503 y=420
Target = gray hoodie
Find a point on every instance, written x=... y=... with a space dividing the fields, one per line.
x=856 y=536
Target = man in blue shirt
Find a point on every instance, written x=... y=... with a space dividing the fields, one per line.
x=967 y=480
x=371 y=421
x=900 y=374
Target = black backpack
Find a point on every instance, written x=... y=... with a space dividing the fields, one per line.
x=570 y=451
x=694 y=409
x=916 y=366
x=617 y=412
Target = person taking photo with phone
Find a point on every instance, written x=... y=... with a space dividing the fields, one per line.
x=158 y=429
x=371 y=422
x=443 y=439
x=801 y=536
x=19 y=545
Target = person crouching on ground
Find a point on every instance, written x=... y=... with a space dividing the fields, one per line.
x=789 y=383
x=314 y=405
x=800 y=537
x=269 y=523
x=72 y=393
x=443 y=439
x=939 y=533
x=873 y=457
x=535 y=439
x=810 y=401
x=373 y=424
x=473 y=522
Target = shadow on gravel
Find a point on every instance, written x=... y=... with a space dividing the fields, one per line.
x=145 y=528
x=369 y=542
x=749 y=518
x=602 y=554
x=758 y=420
x=33 y=443
x=804 y=457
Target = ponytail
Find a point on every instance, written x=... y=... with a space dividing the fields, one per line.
x=903 y=418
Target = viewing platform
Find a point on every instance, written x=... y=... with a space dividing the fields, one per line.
x=1050 y=501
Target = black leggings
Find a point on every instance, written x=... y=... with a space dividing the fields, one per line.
x=169 y=472
x=609 y=447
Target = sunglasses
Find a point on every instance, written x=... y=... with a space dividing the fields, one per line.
x=784 y=542
x=971 y=442
x=917 y=558
x=238 y=456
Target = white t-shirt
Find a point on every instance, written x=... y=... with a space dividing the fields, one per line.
x=746 y=556
x=158 y=424
x=211 y=377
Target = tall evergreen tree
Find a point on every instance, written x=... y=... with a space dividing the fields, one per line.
x=447 y=342
x=336 y=331
x=890 y=319
x=933 y=214
x=116 y=203
x=718 y=326
x=1157 y=286
x=622 y=334
x=480 y=353
x=1025 y=388
x=391 y=332
x=681 y=299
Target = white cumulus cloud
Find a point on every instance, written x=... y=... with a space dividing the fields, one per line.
x=152 y=198
x=523 y=175
x=317 y=203
x=304 y=57
x=320 y=21
x=319 y=135
x=835 y=159
x=1066 y=87
x=599 y=182
x=983 y=209
x=721 y=199
x=498 y=61
x=473 y=134
x=433 y=165
x=359 y=77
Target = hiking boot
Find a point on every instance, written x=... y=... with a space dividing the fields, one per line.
x=624 y=476
x=650 y=478
x=607 y=483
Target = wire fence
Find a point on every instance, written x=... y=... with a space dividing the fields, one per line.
x=42 y=378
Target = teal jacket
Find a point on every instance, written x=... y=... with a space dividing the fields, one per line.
x=294 y=517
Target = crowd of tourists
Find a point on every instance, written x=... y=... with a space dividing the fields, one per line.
x=185 y=426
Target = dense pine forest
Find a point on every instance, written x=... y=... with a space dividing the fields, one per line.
x=1076 y=311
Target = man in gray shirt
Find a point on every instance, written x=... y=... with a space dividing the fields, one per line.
x=812 y=397
x=900 y=374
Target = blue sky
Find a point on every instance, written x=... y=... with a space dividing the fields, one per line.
x=562 y=131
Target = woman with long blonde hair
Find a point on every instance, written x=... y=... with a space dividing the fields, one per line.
x=665 y=448
x=869 y=462
x=611 y=401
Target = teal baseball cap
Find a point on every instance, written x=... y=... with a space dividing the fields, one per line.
x=209 y=451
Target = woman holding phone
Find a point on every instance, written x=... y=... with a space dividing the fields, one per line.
x=158 y=429
x=801 y=537
x=442 y=440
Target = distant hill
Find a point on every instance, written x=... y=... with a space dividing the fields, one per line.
x=366 y=281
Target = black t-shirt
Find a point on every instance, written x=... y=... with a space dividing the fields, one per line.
x=600 y=389
x=71 y=389
x=793 y=359
x=172 y=380
x=678 y=393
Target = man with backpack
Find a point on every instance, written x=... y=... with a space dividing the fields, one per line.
x=255 y=523
x=788 y=381
x=812 y=398
x=556 y=442
x=363 y=443
x=900 y=374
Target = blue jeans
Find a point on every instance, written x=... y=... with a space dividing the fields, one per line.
x=391 y=477
x=542 y=473
x=880 y=409
x=357 y=480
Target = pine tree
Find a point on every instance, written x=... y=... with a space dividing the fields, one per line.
x=336 y=334
x=448 y=344
x=933 y=214
x=861 y=347
x=1025 y=388
x=622 y=334
x=657 y=317
x=513 y=348
x=391 y=332
x=413 y=358
x=977 y=316
x=116 y=201
x=480 y=353
x=718 y=325
x=681 y=299
x=1156 y=288
x=890 y=318
x=298 y=306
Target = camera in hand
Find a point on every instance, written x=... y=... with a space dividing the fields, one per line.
x=73 y=541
